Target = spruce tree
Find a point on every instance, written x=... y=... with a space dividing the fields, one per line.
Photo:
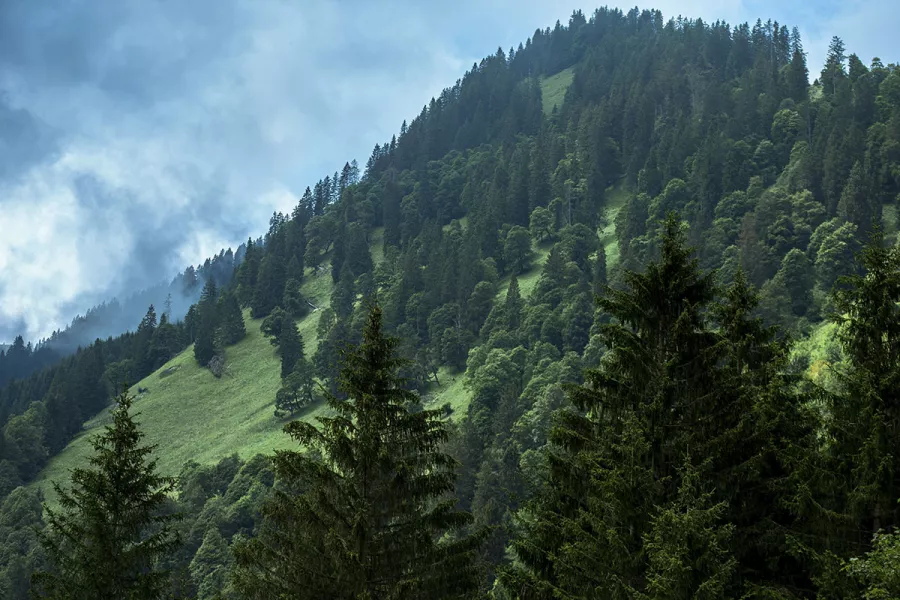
x=232 y=329
x=369 y=515
x=269 y=286
x=616 y=463
x=290 y=345
x=674 y=399
x=293 y=301
x=208 y=322
x=106 y=539
x=864 y=416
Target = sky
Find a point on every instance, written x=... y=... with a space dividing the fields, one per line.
x=138 y=137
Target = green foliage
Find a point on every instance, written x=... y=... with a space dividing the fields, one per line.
x=517 y=251
x=111 y=530
x=775 y=178
x=208 y=317
x=879 y=571
x=687 y=546
x=621 y=513
x=363 y=520
x=297 y=389
x=232 y=329
x=290 y=346
x=862 y=420
x=293 y=301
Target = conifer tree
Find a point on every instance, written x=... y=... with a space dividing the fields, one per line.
x=673 y=399
x=105 y=541
x=293 y=301
x=364 y=518
x=297 y=389
x=512 y=306
x=208 y=321
x=612 y=466
x=247 y=272
x=864 y=422
x=269 y=286
x=232 y=327
x=290 y=345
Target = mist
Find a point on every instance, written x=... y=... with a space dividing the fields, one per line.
x=138 y=137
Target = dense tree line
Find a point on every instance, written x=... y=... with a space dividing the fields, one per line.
x=41 y=412
x=110 y=319
x=664 y=442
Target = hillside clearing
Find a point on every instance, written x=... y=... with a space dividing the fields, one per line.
x=553 y=89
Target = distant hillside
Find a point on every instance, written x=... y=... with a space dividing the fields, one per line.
x=487 y=229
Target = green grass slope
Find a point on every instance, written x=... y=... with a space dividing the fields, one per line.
x=553 y=89
x=191 y=415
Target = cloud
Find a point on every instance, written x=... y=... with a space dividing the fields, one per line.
x=173 y=129
x=137 y=136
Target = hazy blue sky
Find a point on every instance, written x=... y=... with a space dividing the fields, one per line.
x=137 y=137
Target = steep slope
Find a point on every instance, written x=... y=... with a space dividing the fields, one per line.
x=192 y=416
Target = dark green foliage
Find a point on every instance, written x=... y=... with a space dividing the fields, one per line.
x=293 y=301
x=208 y=317
x=231 y=329
x=297 y=389
x=272 y=325
x=864 y=418
x=290 y=346
x=517 y=251
x=269 y=286
x=541 y=224
x=599 y=271
x=111 y=530
x=20 y=550
x=364 y=519
x=673 y=404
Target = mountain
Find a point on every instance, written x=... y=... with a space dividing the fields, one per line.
x=485 y=229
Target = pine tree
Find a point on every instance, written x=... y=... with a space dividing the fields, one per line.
x=293 y=301
x=232 y=329
x=290 y=345
x=834 y=66
x=513 y=304
x=864 y=421
x=269 y=286
x=208 y=322
x=106 y=540
x=297 y=389
x=612 y=466
x=247 y=272
x=365 y=520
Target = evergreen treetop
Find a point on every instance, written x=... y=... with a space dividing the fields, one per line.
x=363 y=516
x=111 y=529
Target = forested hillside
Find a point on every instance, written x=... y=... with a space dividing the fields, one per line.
x=109 y=319
x=636 y=242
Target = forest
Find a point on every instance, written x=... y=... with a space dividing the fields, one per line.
x=622 y=235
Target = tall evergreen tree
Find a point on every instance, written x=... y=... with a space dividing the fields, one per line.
x=290 y=345
x=365 y=520
x=864 y=417
x=269 y=286
x=111 y=530
x=208 y=322
x=232 y=329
